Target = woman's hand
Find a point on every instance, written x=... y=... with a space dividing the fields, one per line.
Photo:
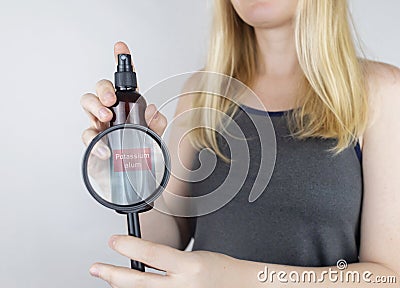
x=183 y=269
x=97 y=107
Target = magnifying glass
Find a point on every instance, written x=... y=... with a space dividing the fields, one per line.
x=134 y=167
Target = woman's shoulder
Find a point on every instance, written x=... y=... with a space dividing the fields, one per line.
x=383 y=88
x=381 y=77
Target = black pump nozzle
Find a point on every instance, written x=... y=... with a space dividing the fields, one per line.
x=124 y=63
x=125 y=77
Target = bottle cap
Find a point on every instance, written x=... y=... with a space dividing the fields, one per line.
x=125 y=77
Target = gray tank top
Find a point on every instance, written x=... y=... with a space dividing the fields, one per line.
x=308 y=215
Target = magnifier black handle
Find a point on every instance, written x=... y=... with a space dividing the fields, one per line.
x=134 y=230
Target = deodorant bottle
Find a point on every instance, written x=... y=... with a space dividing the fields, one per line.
x=132 y=167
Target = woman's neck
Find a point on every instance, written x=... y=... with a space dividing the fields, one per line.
x=277 y=50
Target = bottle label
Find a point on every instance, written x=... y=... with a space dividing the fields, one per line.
x=134 y=159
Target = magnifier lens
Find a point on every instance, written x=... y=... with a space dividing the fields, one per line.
x=126 y=167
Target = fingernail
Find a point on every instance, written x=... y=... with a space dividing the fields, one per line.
x=103 y=112
x=94 y=271
x=112 y=241
x=109 y=97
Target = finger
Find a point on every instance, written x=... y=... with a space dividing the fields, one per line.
x=88 y=135
x=100 y=149
x=121 y=48
x=93 y=106
x=123 y=277
x=155 y=255
x=155 y=120
x=106 y=93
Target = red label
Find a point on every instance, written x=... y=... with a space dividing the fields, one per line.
x=132 y=159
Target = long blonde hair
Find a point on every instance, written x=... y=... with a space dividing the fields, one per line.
x=335 y=102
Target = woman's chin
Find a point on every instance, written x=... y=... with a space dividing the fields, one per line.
x=266 y=13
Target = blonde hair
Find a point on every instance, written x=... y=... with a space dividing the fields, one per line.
x=334 y=103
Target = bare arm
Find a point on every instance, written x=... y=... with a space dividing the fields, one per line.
x=182 y=154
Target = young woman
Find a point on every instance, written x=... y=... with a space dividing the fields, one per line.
x=324 y=204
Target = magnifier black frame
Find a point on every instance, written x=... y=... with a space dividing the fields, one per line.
x=144 y=204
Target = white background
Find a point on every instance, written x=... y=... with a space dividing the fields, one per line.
x=51 y=53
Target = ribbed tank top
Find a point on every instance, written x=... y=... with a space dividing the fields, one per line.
x=309 y=213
